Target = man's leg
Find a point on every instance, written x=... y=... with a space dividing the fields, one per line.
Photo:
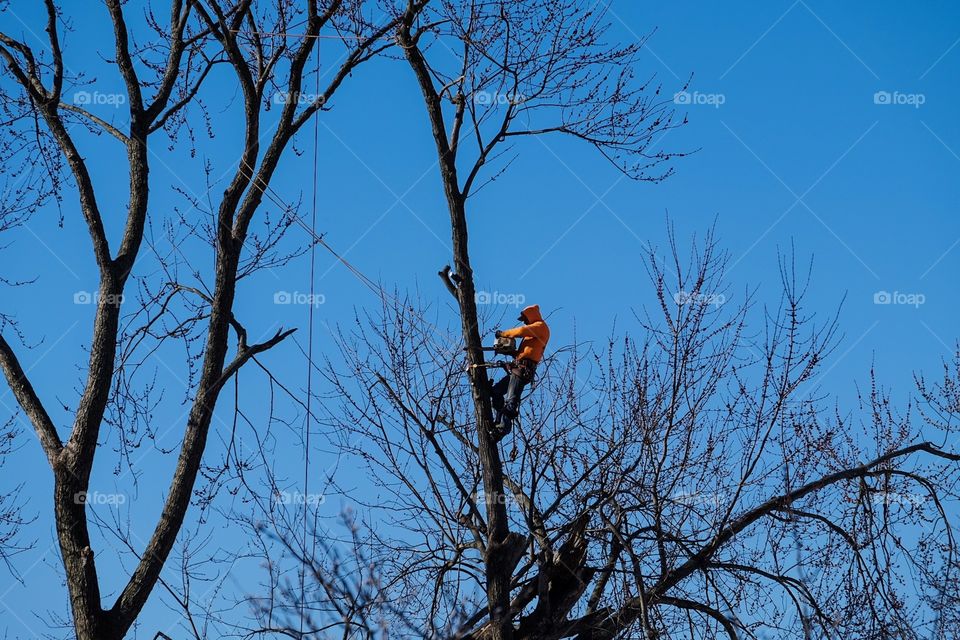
x=497 y=393
x=511 y=401
x=511 y=405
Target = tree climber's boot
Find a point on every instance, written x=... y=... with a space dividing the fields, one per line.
x=502 y=428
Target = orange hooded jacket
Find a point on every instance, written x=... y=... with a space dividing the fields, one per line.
x=534 y=332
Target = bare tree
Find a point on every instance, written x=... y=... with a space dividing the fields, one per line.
x=663 y=486
x=690 y=482
x=502 y=71
x=658 y=488
x=164 y=61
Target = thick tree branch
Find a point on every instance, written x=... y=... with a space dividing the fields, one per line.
x=27 y=398
x=605 y=622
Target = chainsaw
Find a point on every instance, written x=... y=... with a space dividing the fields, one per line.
x=502 y=346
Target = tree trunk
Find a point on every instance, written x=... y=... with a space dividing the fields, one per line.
x=497 y=566
x=90 y=621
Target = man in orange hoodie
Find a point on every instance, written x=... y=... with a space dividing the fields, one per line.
x=506 y=393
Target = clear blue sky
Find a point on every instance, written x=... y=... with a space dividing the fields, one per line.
x=794 y=148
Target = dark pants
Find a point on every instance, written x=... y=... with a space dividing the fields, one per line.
x=506 y=393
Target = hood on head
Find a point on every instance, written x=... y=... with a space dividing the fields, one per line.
x=531 y=314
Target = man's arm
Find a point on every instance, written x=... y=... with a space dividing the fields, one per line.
x=523 y=331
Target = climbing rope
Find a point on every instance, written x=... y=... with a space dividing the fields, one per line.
x=306 y=438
